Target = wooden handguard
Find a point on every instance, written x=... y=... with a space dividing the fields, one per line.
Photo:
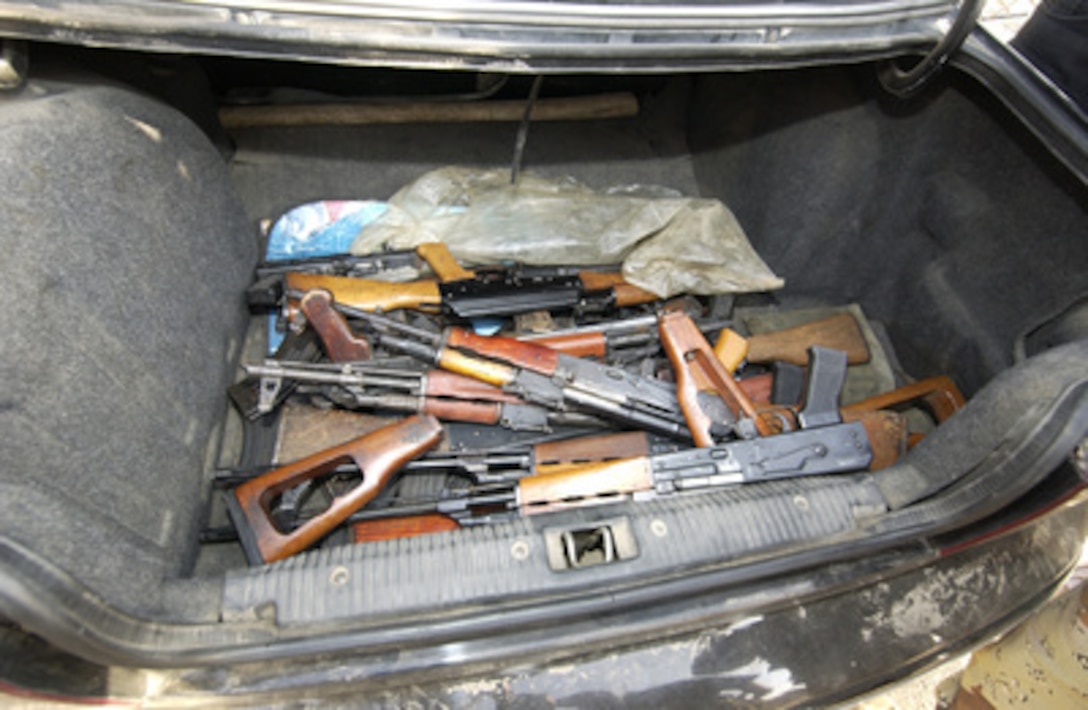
x=576 y=344
x=443 y=383
x=378 y=455
x=589 y=484
x=367 y=294
x=697 y=369
x=529 y=356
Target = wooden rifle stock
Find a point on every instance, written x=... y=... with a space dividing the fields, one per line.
x=838 y=332
x=378 y=455
x=698 y=371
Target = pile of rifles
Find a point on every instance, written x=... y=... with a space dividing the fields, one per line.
x=512 y=391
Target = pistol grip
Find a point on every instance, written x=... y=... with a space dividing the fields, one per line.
x=378 y=455
x=341 y=345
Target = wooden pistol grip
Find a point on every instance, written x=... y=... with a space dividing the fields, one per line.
x=445 y=267
x=443 y=383
x=576 y=344
x=378 y=455
x=529 y=356
x=453 y=410
x=839 y=332
x=592 y=448
x=591 y=484
x=341 y=344
x=396 y=528
x=939 y=394
x=368 y=294
x=697 y=369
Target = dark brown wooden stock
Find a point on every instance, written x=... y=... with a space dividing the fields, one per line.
x=839 y=332
x=407 y=526
x=697 y=370
x=378 y=456
x=341 y=344
x=529 y=356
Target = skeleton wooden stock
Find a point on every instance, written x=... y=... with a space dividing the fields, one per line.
x=377 y=456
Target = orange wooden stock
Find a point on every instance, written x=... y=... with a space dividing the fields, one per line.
x=408 y=526
x=697 y=370
x=529 y=356
x=378 y=455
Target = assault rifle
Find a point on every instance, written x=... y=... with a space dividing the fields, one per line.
x=446 y=395
x=534 y=373
x=281 y=502
x=832 y=449
x=491 y=292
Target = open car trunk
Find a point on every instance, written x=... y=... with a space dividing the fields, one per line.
x=131 y=234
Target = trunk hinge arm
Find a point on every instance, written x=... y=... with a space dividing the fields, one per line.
x=907 y=82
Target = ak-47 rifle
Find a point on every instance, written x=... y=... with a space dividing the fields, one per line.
x=491 y=292
x=534 y=373
x=837 y=448
x=446 y=395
